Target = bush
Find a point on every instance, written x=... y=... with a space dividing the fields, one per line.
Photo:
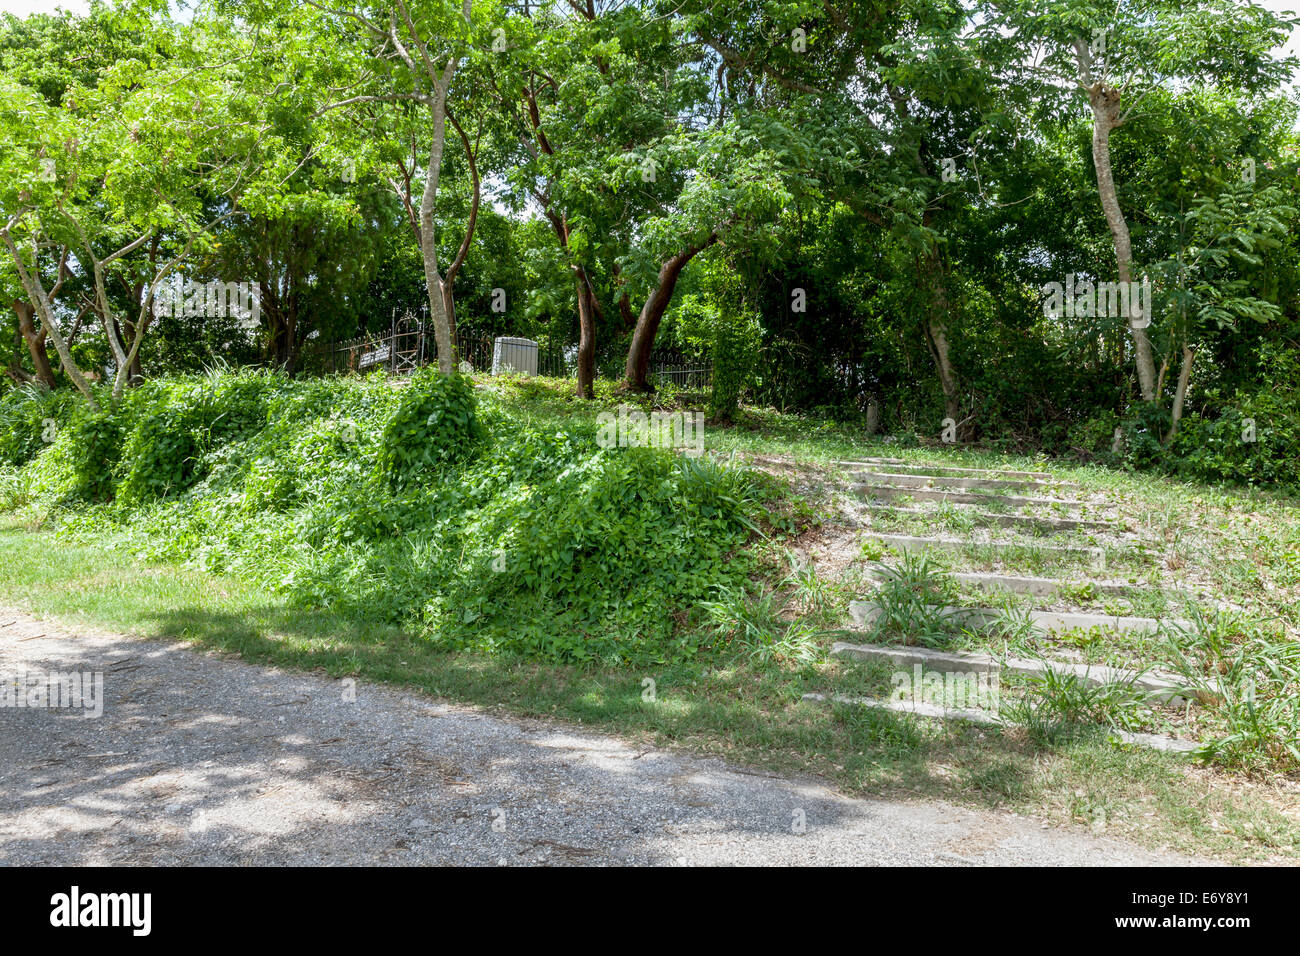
x=735 y=351
x=531 y=541
x=30 y=419
x=436 y=425
x=94 y=449
x=590 y=569
x=1256 y=440
x=175 y=423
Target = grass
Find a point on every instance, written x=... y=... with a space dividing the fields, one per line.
x=745 y=703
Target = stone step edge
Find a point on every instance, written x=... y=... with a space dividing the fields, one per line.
x=1156 y=683
x=959 y=497
x=876 y=462
x=1044 y=587
x=921 y=709
x=957 y=482
x=1041 y=587
x=906 y=540
x=1063 y=523
x=864 y=614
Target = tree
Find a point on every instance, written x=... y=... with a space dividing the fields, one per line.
x=1116 y=55
x=405 y=52
x=127 y=179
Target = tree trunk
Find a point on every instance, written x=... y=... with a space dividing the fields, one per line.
x=936 y=329
x=15 y=370
x=1180 y=396
x=635 y=374
x=35 y=290
x=35 y=343
x=1105 y=102
x=476 y=197
x=438 y=291
x=586 y=335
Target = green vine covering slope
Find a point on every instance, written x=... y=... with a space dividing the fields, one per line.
x=430 y=505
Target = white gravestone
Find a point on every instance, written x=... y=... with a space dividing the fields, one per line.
x=514 y=355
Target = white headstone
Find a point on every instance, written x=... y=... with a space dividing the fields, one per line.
x=514 y=355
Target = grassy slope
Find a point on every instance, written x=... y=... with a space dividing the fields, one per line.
x=748 y=709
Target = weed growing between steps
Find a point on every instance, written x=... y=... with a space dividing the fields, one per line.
x=1244 y=673
x=428 y=505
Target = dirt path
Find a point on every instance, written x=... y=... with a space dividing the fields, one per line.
x=202 y=760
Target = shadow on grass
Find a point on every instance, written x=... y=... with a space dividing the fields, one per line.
x=733 y=711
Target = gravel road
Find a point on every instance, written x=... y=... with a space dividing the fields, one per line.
x=198 y=759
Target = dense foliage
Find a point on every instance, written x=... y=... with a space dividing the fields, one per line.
x=847 y=208
x=429 y=504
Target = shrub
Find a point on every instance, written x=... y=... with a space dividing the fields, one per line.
x=532 y=541
x=94 y=449
x=435 y=425
x=177 y=422
x=30 y=419
x=734 y=354
x=590 y=567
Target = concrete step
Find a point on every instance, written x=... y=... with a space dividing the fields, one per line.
x=911 y=467
x=936 y=712
x=905 y=542
x=1158 y=685
x=1017 y=521
x=908 y=706
x=1043 y=587
x=864 y=614
x=888 y=492
x=1046 y=587
x=955 y=483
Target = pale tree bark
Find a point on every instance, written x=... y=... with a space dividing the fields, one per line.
x=936 y=329
x=395 y=41
x=476 y=197
x=43 y=302
x=438 y=288
x=1106 y=117
x=126 y=351
x=1180 y=396
x=435 y=285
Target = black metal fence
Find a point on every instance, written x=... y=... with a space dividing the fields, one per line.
x=687 y=372
x=403 y=351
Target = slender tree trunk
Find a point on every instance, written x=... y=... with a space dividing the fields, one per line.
x=938 y=310
x=938 y=332
x=476 y=197
x=35 y=343
x=636 y=372
x=1180 y=396
x=36 y=293
x=291 y=335
x=1105 y=102
x=586 y=335
x=15 y=370
x=438 y=291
